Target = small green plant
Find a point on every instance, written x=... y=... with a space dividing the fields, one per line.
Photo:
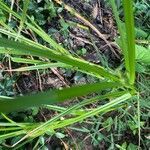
x=120 y=84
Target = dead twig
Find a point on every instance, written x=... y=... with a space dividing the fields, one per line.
x=81 y=39
x=56 y=72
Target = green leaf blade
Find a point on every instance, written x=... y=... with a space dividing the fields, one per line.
x=54 y=96
x=130 y=34
x=20 y=48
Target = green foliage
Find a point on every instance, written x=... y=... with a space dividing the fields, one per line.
x=64 y=27
x=124 y=146
x=118 y=86
x=53 y=96
x=140 y=34
x=6 y=86
x=127 y=37
x=39 y=12
x=130 y=38
x=143 y=54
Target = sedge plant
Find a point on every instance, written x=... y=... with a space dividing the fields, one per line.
x=121 y=84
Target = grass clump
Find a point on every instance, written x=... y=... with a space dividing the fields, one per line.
x=120 y=84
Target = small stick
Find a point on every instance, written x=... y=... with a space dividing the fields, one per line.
x=56 y=72
x=81 y=39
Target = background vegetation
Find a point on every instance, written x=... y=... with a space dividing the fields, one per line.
x=35 y=43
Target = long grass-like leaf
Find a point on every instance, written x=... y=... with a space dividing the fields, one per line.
x=87 y=101
x=96 y=111
x=12 y=47
x=52 y=125
x=122 y=33
x=12 y=134
x=27 y=41
x=8 y=105
x=127 y=36
x=27 y=61
x=23 y=18
x=129 y=24
x=7 y=9
x=13 y=34
x=42 y=66
x=35 y=28
x=74 y=110
x=47 y=38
